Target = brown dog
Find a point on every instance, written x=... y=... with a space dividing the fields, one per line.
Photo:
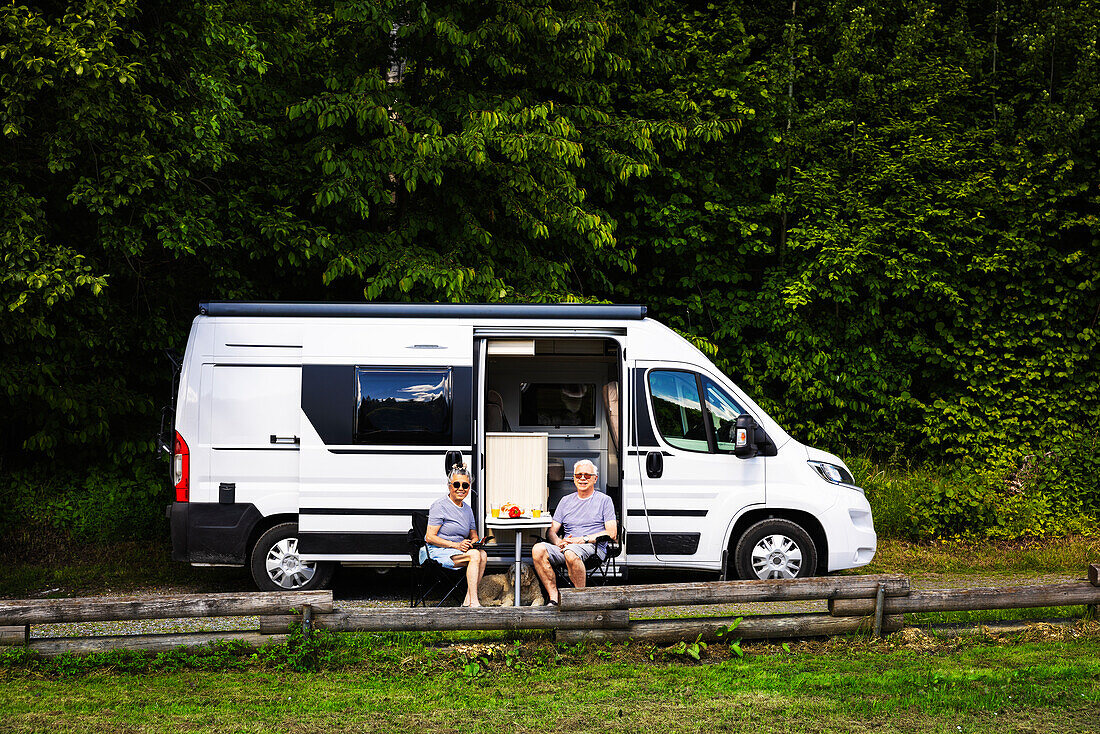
x=499 y=589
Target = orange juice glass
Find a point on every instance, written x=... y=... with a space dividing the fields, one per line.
x=496 y=512
x=536 y=512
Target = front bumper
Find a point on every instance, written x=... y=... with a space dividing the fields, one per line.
x=850 y=530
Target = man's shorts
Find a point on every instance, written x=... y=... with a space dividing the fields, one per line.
x=584 y=551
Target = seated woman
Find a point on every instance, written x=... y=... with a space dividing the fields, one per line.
x=452 y=533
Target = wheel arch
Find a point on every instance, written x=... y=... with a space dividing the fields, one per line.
x=805 y=520
x=262 y=526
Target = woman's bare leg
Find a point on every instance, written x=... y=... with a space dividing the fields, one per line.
x=474 y=572
x=466 y=560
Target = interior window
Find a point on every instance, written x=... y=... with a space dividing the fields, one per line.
x=723 y=413
x=403 y=407
x=557 y=404
x=677 y=410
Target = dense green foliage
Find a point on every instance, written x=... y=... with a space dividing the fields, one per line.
x=1057 y=493
x=880 y=218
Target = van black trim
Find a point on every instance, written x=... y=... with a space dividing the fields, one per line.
x=426 y=310
x=328 y=400
x=349 y=543
x=642 y=423
x=667 y=544
x=462 y=406
x=667 y=513
x=254 y=448
x=396 y=450
x=266 y=346
x=356 y=511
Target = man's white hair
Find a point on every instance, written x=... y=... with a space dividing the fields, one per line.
x=586 y=462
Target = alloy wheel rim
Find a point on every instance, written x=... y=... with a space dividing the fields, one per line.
x=285 y=568
x=776 y=557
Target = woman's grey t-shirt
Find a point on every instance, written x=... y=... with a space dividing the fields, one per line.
x=455 y=523
x=584 y=517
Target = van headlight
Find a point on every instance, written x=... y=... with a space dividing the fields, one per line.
x=833 y=474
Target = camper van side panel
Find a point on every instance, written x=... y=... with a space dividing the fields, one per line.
x=240 y=421
x=382 y=404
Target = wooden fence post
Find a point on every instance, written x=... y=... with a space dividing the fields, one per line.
x=307 y=620
x=1092 y=611
x=18 y=635
x=880 y=603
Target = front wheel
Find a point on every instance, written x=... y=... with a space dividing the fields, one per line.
x=775 y=549
x=277 y=567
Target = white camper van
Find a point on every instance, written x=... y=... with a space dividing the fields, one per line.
x=307 y=433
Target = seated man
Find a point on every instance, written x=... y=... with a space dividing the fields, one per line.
x=586 y=516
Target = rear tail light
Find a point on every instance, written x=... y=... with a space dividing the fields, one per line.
x=181 y=469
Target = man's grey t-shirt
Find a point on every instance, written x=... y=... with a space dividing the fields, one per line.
x=455 y=523
x=584 y=517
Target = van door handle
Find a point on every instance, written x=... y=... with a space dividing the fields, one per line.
x=284 y=439
x=654 y=464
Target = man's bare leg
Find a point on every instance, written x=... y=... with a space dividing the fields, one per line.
x=545 y=571
x=575 y=565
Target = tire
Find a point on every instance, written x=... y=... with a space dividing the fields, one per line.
x=775 y=549
x=275 y=565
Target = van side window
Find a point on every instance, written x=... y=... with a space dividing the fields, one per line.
x=410 y=407
x=723 y=414
x=677 y=410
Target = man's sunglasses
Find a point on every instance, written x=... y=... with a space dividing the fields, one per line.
x=584 y=476
x=460 y=485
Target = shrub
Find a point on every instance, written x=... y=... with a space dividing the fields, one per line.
x=44 y=509
x=1051 y=494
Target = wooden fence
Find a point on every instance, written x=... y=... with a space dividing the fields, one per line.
x=17 y=616
x=872 y=604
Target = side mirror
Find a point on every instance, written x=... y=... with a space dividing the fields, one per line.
x=744 y=442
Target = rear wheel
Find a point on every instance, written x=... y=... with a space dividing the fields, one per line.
x=775 y=549
x=276 y=565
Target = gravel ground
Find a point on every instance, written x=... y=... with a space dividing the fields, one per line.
x=357 y=589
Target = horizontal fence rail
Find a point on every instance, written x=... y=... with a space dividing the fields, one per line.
x=450 y=618
x=766 y=626
x=176 y=606
x=147 y=643
x=732 y=592
x=955 y=600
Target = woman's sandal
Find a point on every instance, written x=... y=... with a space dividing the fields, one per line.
x=552 y=603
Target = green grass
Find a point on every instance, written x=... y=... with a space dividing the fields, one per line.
x=1064 y=556
x=114 y=567
x=994 y=615
x=394 y=684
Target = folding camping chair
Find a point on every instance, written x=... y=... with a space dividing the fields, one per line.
x=429 y=574
x=597 y=572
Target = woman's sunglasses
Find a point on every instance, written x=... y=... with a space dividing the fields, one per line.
x=460 y=485
x=584 y=476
